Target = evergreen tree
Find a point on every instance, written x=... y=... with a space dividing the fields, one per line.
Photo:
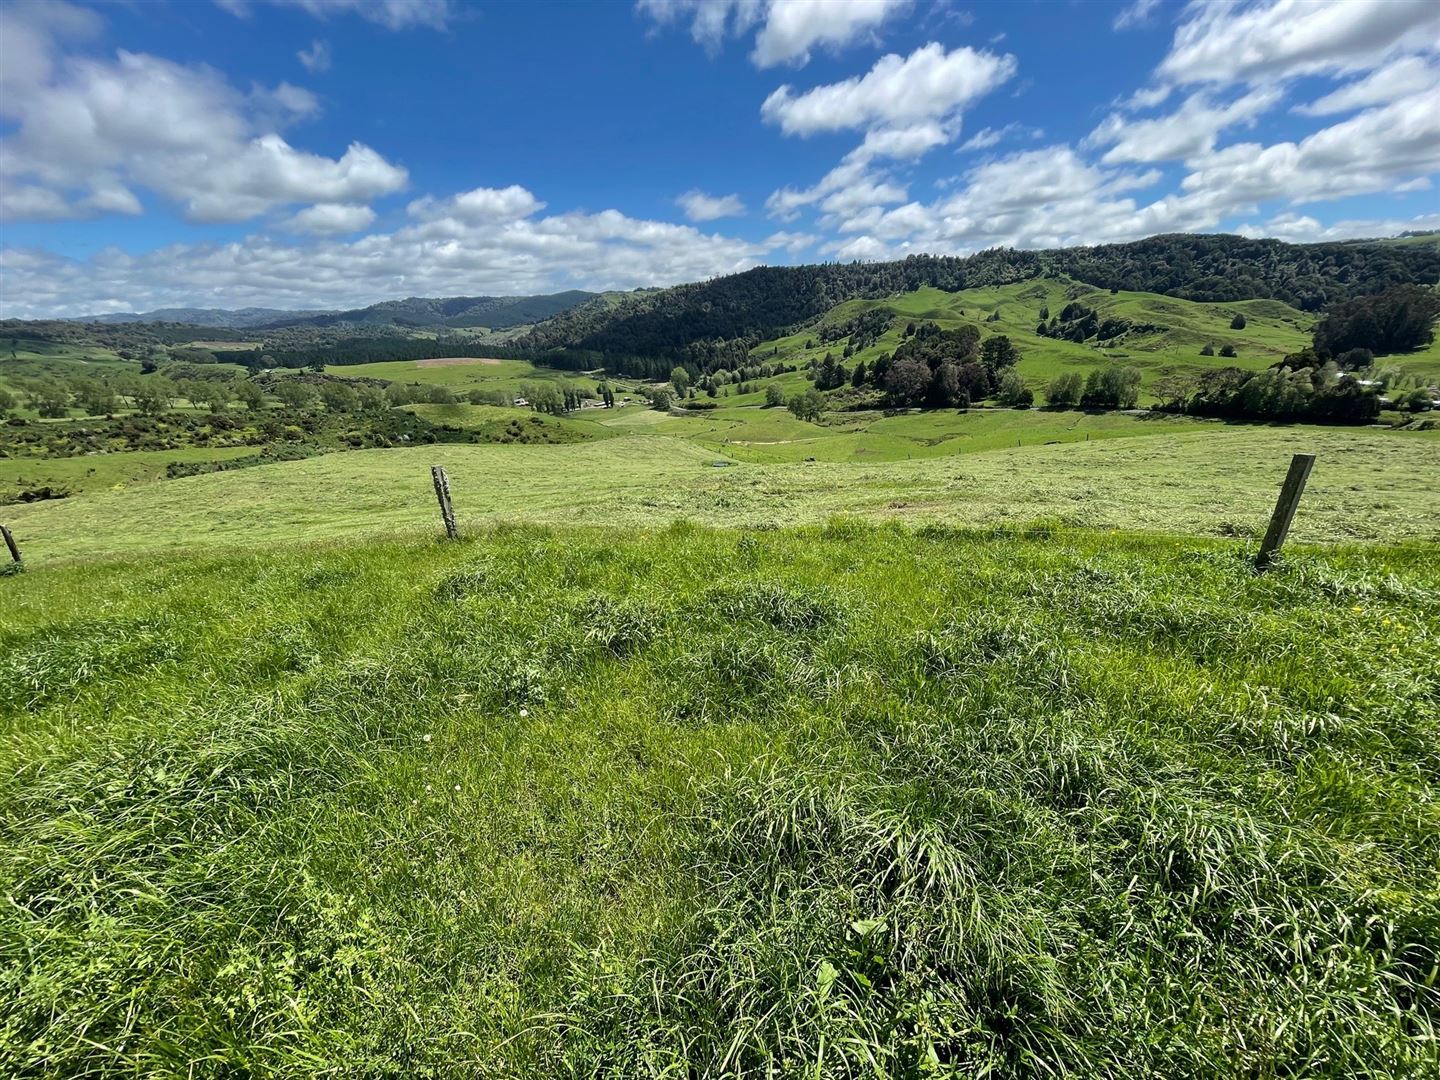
x=907 y=381
x=999 y=352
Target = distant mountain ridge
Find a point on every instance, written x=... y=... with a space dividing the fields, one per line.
x=236 y=319
x=496 y=312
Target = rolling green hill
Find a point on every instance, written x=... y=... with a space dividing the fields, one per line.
x=1272 y=329
x=719 y=319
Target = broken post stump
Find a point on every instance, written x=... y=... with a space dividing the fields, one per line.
x=10 y=543
x=1285 y=505
x=442 y=493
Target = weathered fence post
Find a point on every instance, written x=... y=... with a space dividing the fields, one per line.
x=1290 y=493
x=10 y=543
x=442 y=493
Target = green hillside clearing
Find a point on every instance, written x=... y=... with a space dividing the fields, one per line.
x=98 y=472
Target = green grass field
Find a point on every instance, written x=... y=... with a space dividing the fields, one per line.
x=506 y=376
x=773 y=435
x=839 y=801
x=43 y=360
x=101 y=472
x=1220 y=481
x=507 y=424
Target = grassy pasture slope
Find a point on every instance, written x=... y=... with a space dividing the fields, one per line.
x=1272 y=330
x=97 y=472
x=836 y=802
x=498 y=421
x=503 y=375
x=42 y=360
x=1221 y=481
x=1422 y=363
x=773 y=435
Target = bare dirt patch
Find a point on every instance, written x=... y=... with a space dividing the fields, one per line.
x=455 y=361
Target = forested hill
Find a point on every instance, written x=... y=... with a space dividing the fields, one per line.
x=699 y=322
x=455 y=311
x=495 y=312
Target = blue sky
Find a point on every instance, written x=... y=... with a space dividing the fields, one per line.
x=319 y=153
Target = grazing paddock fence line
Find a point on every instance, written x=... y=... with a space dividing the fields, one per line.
x=1280 y=518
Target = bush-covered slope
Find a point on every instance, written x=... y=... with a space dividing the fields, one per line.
x=834 y=802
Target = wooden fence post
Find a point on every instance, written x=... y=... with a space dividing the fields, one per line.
x=442 y=493
x=1290 y=493
x=10 y=543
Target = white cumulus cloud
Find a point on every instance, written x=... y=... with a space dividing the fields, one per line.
x=699 y=206
x=1190 y=130
x=788 y=30
x=794 y=27
x=1393 y=148
x=491 y=241
x=1233 y=42
x=479 y=205
x=929 y=84
x=331 y=219
x=89 y=130
x=1406 y=76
